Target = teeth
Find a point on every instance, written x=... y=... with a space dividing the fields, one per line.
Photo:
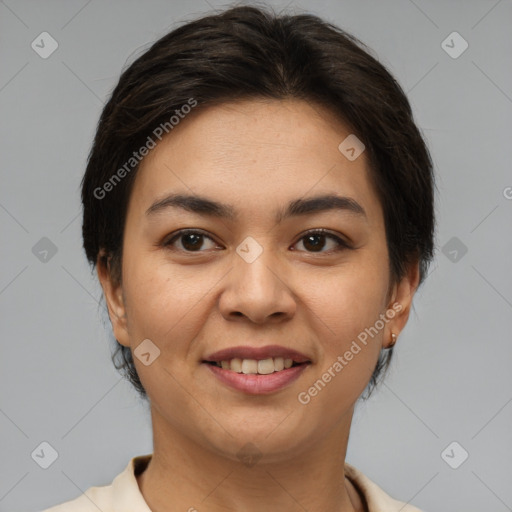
x=266 y=366
x=236 y=365
x=249 y=366
x=254 y=366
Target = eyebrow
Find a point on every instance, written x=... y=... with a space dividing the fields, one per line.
x=298 y=207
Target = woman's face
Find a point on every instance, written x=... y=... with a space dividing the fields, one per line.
x=251 y=273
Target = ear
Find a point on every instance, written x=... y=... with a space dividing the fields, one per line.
x=401 y=302
x=113 y=292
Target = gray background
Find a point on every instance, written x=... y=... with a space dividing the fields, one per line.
x=451 y=378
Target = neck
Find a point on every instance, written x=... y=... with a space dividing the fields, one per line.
x=184 y=476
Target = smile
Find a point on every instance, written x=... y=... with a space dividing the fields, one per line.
x=256 y=383
x=254 y=366
x=257 y=370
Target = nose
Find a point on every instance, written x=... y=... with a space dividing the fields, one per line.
x=258 y=291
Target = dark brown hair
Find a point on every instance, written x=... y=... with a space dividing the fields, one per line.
x=249 y=52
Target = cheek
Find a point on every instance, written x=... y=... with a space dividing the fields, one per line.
x=164 y=305
x=349 y=306
x=351 y=299
x=350 y=333
x=164 y=301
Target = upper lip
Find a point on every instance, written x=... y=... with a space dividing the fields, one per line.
x=245 y=352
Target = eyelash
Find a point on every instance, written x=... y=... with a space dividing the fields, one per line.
x=341 y=243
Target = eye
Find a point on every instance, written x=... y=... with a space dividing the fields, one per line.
x=316 y=240
x=190 y=240
x=313 y=241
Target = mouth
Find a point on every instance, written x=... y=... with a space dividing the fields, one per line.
x=255 y=366
x=257 y=370
x=257 y=360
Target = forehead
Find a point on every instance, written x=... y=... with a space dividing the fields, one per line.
x=254 y=153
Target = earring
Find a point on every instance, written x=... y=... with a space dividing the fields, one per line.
x=393 y=340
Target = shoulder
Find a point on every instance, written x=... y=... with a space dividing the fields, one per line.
x=123 y=493
x=91 y=500
x=376 y=498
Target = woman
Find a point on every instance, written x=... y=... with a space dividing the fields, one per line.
x=258 y=204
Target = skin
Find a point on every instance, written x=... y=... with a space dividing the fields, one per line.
x=256 y=155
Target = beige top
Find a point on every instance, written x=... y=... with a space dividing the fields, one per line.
x=123 y=494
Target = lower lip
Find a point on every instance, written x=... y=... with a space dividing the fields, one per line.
x=256 y=384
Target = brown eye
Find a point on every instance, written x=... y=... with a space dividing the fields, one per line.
x=190 y=241
x=316 y=241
